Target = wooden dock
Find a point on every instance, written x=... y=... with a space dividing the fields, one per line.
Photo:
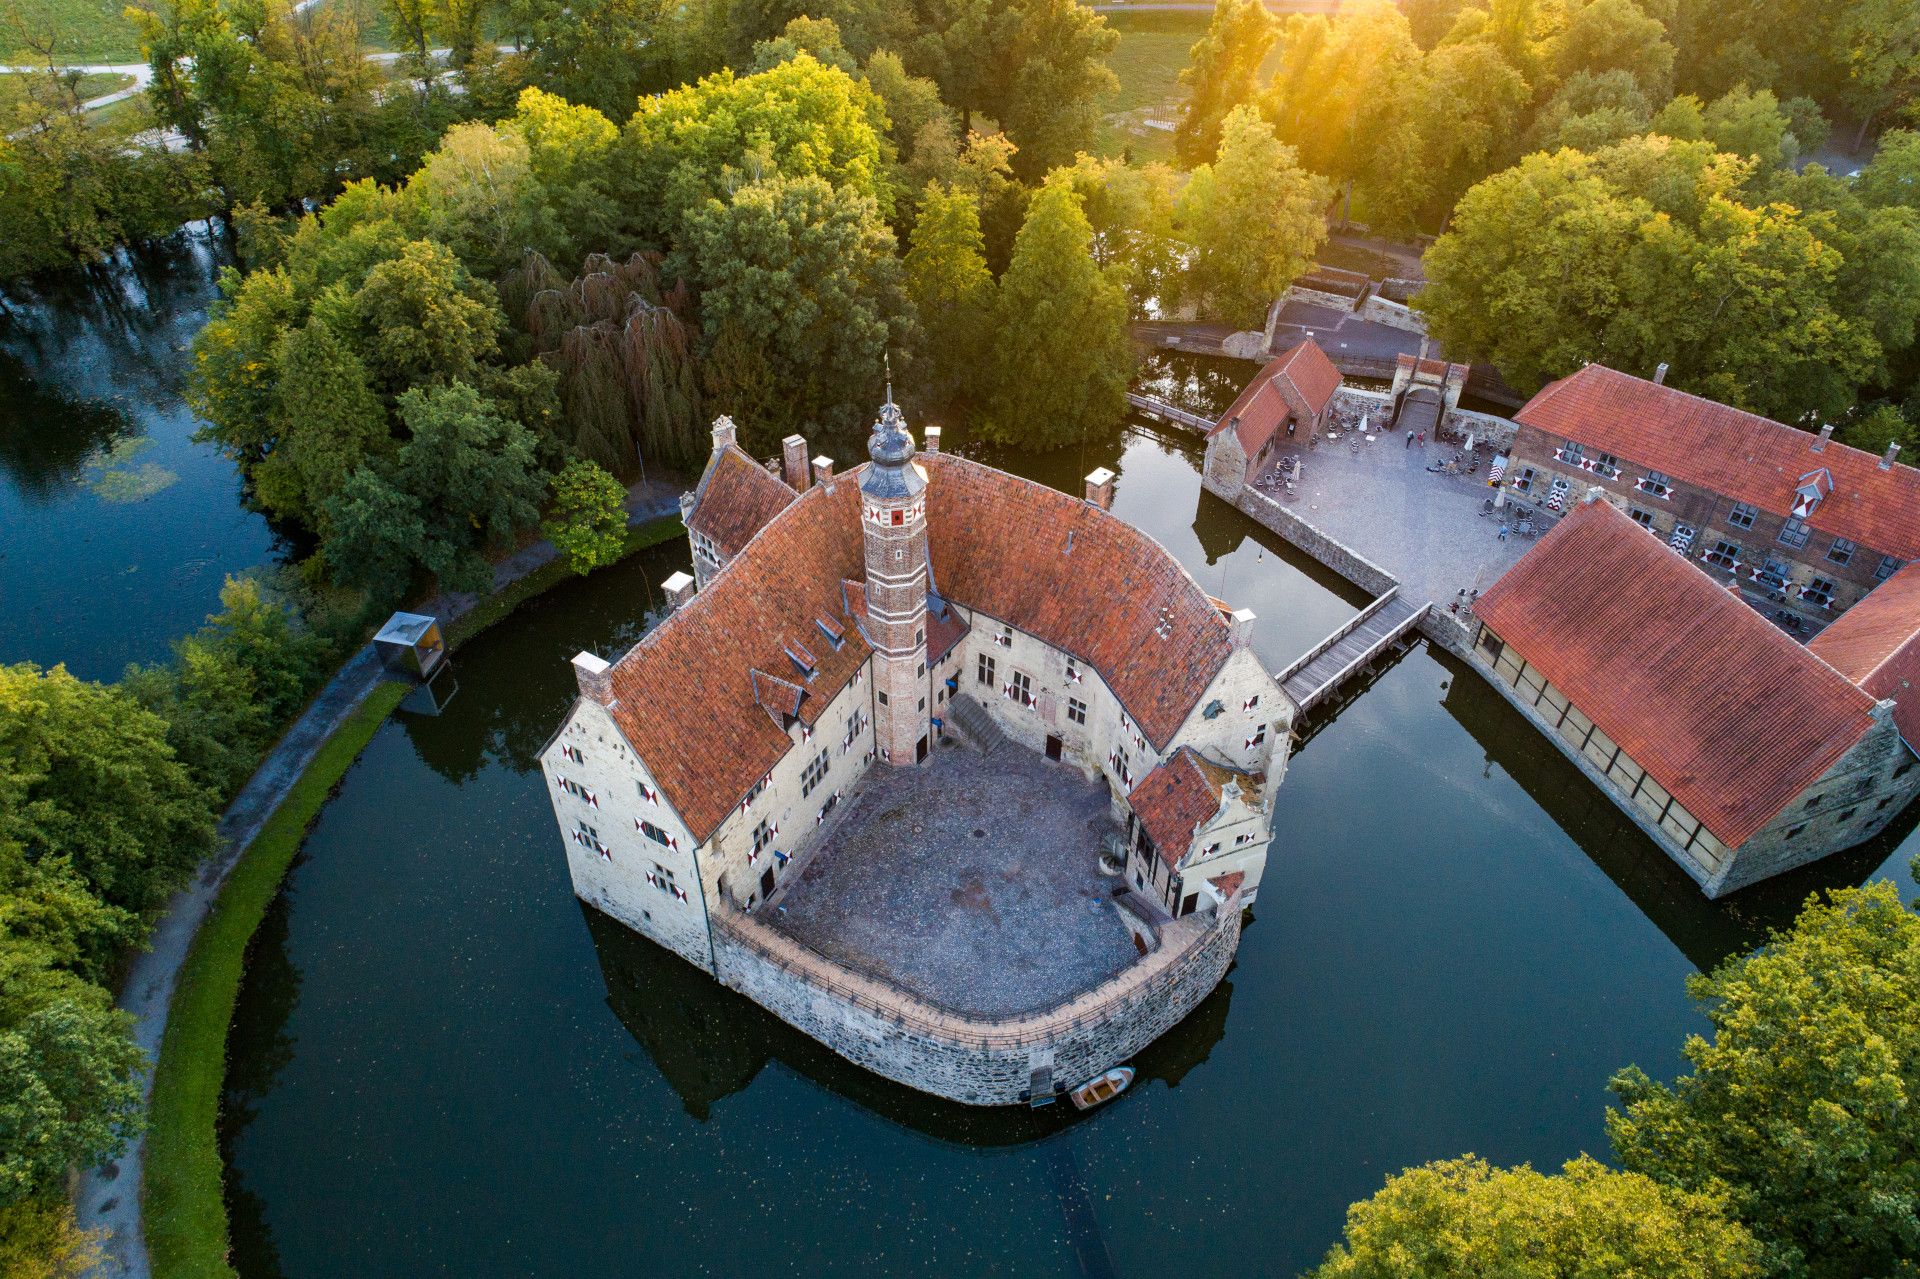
x=1350 y=649
x=1162 y=411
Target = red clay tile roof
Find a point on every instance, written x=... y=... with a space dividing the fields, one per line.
x=734 y=500
x=1720 y=707
x=1176 y=797
x=1229 y=884
x=944 y=629
x=1262 y=409
x=1876 y=644
x=1079 y=578
x=777 y=696
x=686 y=695
x=1749 y=458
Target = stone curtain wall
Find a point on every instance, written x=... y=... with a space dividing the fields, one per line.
x=1336 y=555
x=976 y=1061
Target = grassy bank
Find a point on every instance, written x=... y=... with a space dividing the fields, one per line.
x=185 y=1213
x=185 y=1209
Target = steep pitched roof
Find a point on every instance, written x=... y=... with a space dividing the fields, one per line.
x=1747 y=457
x=1876 y=644
x=687 y=696
x=1261 y=409
x=690 y=703
x=1079 y=578
x=734 y=499
x=1177 y=796
x=1726 y=712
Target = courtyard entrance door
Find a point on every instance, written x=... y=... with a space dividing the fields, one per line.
x=920 y=755
x=1053 y=747
x=766 y=884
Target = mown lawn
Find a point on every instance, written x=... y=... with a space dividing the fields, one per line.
x=81 y=30
x=1153 y=48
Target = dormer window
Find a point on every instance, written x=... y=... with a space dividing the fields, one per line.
x=1813 y=486
x=803 y=660
x=831 y=629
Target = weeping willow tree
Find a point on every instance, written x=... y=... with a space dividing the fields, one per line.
x=628 y=378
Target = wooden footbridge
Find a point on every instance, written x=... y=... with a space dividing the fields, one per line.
x=1162 y=411
x=1349 y=650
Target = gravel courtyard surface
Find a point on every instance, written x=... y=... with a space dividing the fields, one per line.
x=972 y=882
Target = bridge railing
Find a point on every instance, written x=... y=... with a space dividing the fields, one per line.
x=1366 y=655
x=1351 y=625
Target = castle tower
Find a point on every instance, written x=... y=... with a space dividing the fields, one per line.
x=893 y=508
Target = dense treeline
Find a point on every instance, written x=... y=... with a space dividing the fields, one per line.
x=108 y=796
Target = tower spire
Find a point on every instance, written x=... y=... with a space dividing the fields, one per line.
x=886 y=358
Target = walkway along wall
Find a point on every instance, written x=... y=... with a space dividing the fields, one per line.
x=977 y=1061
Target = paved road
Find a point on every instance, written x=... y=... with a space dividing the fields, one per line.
x=142 y=76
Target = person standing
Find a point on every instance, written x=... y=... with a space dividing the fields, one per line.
x=1409 y=439
x=1503 y=532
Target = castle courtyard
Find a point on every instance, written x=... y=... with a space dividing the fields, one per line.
x=972 y=882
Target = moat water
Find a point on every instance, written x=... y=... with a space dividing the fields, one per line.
x=443 y=1064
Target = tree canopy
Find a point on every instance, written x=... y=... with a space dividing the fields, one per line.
x=1799 y=1108
x=1461 y=1217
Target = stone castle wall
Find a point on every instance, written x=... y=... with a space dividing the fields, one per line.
x=976 y=1061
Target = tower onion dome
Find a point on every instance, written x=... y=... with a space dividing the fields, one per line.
x=893 y=474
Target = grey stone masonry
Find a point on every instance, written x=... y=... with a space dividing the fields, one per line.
x=977 y=1061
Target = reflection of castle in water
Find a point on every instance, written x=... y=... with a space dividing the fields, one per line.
x=1705 y=931
x=709 y=1043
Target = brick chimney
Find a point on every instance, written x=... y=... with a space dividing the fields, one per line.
x=1240 y=629
x=1100 y=488
x=722 y=432
x=822 y=469
x=1826 y=433
x=931 y=444
x=678 y=589
x=595 y=678
x=1660 y=374
x=793 y=462
x=1893 y=451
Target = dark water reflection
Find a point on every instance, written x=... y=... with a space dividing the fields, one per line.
x=116 y=530
x=445 y=1065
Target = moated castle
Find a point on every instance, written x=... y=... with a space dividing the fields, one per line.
x=920 y=671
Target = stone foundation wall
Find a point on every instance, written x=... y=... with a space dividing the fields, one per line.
x=978 y=1062
x=1336 y=555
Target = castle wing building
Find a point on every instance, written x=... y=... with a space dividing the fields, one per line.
x=1740 y=751
x=852 y=621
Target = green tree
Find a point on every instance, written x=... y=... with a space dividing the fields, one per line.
x=1460 y=1217
x=97 y=787
x=1254 y=220
x=39 y=1240
x=1590 y=111
x=1879 y=427
x=588 y=518
x=69 y=1093
x=1222 y=72
x=1334 y=98
x=1750 y=123
x=327 y=420
x=420 y=318
x=477 y=194
x=1060 y=363
x=699 y=142
x=1614 y=35
x=1799 y=1107
x=951 y=291
x=1894 y=176
x=1057 y=82
x=1130 y=208
x=465 y=480
x=1642 y=254
x=804 y=281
